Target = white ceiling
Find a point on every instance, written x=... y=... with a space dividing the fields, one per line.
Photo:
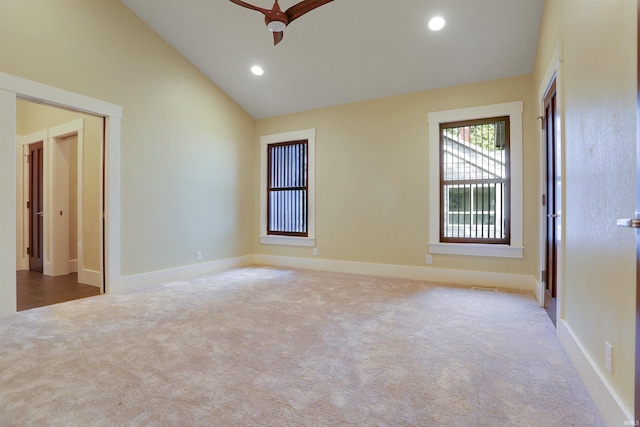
x=347 y=50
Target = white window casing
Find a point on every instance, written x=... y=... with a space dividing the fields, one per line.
x=513 y=250
x=265 y=140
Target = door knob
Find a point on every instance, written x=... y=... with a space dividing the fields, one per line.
x=628 y=222
x=41 y=213
x=552 y=215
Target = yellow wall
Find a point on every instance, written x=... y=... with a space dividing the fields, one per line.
x=189 y=155
x=186 y=147
x=372 y=177
x=598 y=40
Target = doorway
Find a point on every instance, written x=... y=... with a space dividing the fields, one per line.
x=34 y=289
x=551 y=201
x=11 y=89
x=60 y=204
x=35 y=206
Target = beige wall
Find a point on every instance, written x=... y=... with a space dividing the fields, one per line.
x=188 y=155
x=598 y=39
x=186 y=148
x=372 y=177
x=32 y=118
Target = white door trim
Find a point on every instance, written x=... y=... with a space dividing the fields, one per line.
x=554 y=71
x=22 y=213
x=11 y=88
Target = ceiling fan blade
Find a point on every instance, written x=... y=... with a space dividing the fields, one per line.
x=277 y=20
x=250 y=6
x=277 y=37
x=297 y=10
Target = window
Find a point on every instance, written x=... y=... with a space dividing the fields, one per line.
x=475 y=162
x=474 y=183
x=287 y=188
x=287 y=196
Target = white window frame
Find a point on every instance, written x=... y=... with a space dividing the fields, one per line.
x=265 y=140
x=513 y=250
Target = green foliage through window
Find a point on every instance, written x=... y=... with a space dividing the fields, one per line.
x=489 y=136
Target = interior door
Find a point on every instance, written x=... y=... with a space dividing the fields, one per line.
x=36 y=206
x=550 y=274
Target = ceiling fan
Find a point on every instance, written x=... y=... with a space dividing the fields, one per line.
x=277 y=20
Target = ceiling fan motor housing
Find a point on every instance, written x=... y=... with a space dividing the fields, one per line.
x=276 y=25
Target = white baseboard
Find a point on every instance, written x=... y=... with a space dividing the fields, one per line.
x=87 y=277
x=517 y=282
x=22 y=263
x=163 y=276
x=90 y=277
x=606 y=399
x=539 y=291
x=73 y=265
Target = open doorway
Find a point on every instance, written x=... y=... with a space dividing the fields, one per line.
x=11 y=89
x=59 y=231
x=552 y=189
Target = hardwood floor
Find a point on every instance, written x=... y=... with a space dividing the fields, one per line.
x=37 y=290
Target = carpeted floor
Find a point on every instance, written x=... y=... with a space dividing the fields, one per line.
x=264 y=346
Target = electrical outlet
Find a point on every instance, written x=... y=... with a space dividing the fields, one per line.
x=429 y=259
x=315 y=251
x=198 y=256
x=608 y=357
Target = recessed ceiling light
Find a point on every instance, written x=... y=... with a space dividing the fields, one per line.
x=257 y=70
x=436 y=23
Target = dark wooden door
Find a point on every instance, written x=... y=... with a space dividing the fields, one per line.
x=550 y=274
x=36 y=207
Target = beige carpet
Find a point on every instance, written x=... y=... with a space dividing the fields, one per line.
x=275 y=347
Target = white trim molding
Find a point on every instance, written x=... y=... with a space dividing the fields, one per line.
x=265 y=140
x=144 y=280
x=514 y=110
x=554 y=71
x=512 y=282
x=475 y=249
x=604 y=396
x=8 y=201
x=12 y=88
x=287 y=240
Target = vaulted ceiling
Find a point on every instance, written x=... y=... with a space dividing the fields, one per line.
x=347 y=50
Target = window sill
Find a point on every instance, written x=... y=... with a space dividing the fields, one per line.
x=473 y=249
x=287 y=240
